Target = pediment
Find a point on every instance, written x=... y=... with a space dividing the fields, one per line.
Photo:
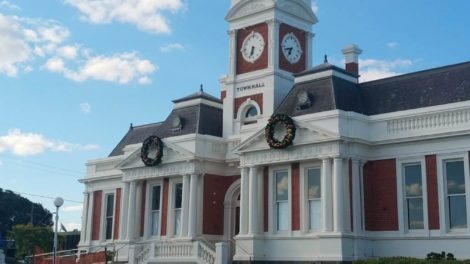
x=305 y=134
x=296 y=8
x=171 y=153
x=248 y=7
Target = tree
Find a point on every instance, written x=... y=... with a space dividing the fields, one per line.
x=15 y=210
x=27 y=237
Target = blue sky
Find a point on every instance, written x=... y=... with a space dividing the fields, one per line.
x=73 y=75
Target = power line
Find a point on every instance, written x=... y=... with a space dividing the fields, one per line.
x=63 y=171
x=47 y=197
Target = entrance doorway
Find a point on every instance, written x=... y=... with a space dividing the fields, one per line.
x=232 y=216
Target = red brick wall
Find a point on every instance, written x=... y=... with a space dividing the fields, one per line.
x=258 y=98
x=433 y=203
x=97 y=199
x=244 y=66
x=142 y=208
x=215 y=188
x=380 y=195
x=265 y=198
x=352 y=68
x=164 y=206
x=295 y=196
x=117 y=213
x=284 y=64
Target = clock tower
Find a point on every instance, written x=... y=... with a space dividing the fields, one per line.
x=270 y=40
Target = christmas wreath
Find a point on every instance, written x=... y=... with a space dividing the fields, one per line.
x=270 y=127
x=150 y=142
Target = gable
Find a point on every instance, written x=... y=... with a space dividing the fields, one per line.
x=171 y=153
x=305 y=134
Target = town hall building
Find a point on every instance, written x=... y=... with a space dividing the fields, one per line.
x=292 y=163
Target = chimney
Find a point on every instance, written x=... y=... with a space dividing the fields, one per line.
x=351 y=57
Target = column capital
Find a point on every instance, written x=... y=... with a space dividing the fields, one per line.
x=232 y=31
x=273 y=21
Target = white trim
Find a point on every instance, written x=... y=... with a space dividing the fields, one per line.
x=197 y=101
x=148 y=208
x=272 y=229
x=324 y=74
x=442 y=190
x=171 y=204
x=304 y=201
x=401 y=199
x=104 y=205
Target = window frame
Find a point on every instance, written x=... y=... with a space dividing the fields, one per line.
x=148 y=209
x=104 y=207
x=402 y=199
x=171 y=208
x=305 y=201
x=444 y=216
x=244 y=108
x=273 y=220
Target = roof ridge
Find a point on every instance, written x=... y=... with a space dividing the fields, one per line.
x=412 y=74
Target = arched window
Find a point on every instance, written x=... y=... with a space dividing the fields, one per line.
x=251 y=112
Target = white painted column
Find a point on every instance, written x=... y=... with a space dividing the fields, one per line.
x=89 y=220
x=124 y=211
x=185 y=206
x=253 y=201
x=233 y=51
x=356 y=196
x=273 y=40
x=309 y=49
x=193 y=205
x=327 y=197
x=84 y=217
x=338 y=192
x=244 y=202
x=131 y=216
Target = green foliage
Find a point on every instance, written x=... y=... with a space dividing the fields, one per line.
x=440 y=256
x=403 y=260
x=28 y=237
x=16 y=210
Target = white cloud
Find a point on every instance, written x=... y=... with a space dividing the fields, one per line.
x=85 y=108
x=89 y=147
x=147 y=15
x=8 y=5
x=68 y=52
x=315 y=7
x=392 y=45
x=73 y=208
x=372 y=69
x=120 y=68
x=172 y=47
x=29 y=144
x=25 y=40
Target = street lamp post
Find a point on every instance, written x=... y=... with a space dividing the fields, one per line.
x=58 y=202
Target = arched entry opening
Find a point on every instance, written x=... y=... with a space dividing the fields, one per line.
x=232 y=215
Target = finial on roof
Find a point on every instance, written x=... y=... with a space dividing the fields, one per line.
x=131 y=126
x=326 y=59
x=202 y=88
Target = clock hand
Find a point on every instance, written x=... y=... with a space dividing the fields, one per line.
x=252 y=51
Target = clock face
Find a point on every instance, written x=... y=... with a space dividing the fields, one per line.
x=252 y=47
x=291 y=48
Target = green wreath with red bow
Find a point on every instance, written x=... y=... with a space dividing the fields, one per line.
x=152 y=142
x=270 y=127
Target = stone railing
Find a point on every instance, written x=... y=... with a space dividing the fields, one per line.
x=177 y=251
x=432 y=121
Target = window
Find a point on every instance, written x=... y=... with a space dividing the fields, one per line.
x=251 y=115
x=155 y=210
x=413 y=196
x=455 y=191
x=314 y=197
x=282 y=200
x=251 y=112
x=109 y=215
x=177 y=208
